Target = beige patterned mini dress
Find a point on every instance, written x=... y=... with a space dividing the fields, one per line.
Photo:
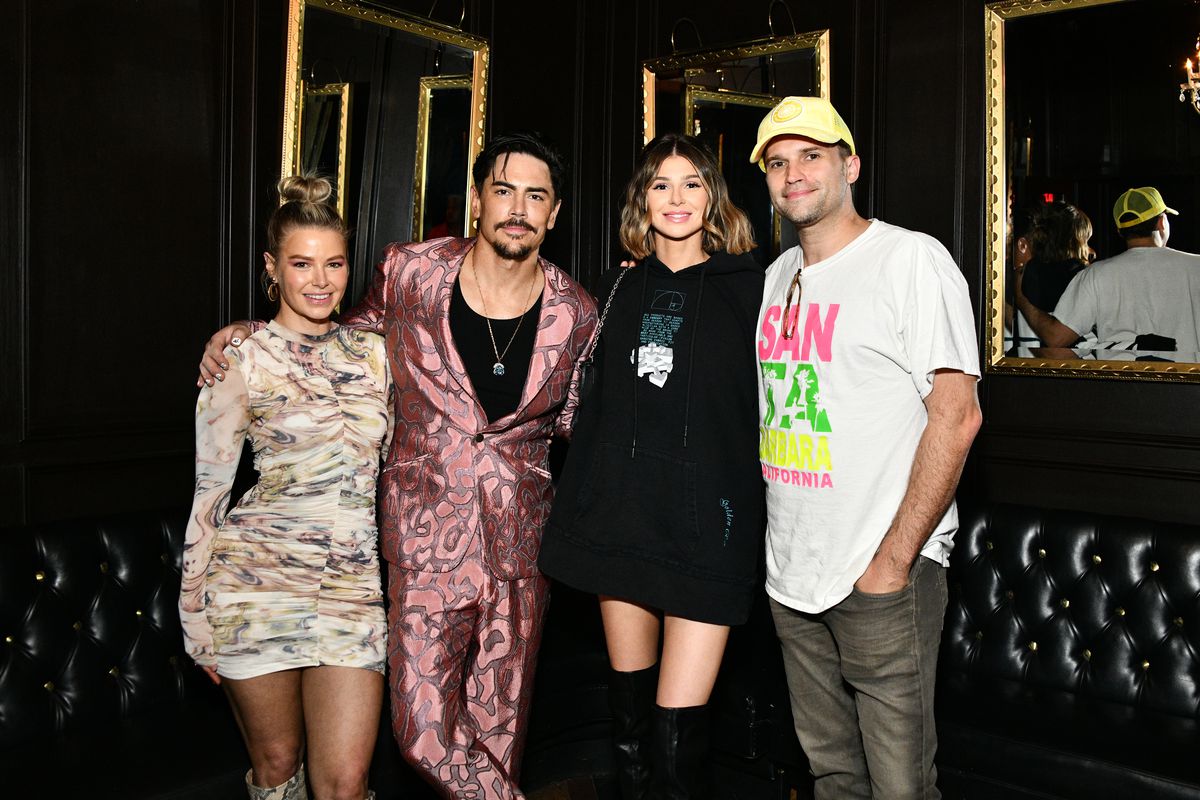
x=290 y=576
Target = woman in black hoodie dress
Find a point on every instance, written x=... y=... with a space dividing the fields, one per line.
x=660 y=507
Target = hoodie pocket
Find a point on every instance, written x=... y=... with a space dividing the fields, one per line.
x=643 y=504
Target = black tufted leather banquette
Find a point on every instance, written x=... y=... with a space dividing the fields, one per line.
x=1070 y=663
x=1070 y=669
x=97 y=698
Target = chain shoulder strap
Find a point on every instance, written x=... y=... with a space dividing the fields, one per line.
x=604 y=314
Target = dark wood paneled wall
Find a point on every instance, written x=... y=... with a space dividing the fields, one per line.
x=136 y=181
x=130 y=210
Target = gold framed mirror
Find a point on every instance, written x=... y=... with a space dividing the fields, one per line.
x=324 y=132
x=710 y=116
x=441 y=175
x=720 y=96
x=391 y=64
x=1080 y=109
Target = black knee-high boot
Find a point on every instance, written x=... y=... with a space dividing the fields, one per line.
x=631 y=700
x=680 y=754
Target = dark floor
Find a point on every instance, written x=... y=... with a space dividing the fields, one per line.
x=578 y=789
x=605 y=789
x=728 y=784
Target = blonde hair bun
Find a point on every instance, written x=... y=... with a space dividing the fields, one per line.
x=305 y=189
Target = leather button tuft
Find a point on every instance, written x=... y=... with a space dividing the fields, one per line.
x=478 y=438
x=78 y=626
x=978 y=636
x=104 y=567
x=48 y=686
x=1154 y=566
x=8 y=639
x=1033 y=646
x=1041 y=553
x=1065 y=603
x=39 y=576
x=989 y=545
x=1145 y=665
x=114 y=672
x=1009 y=594
x=1178 y=624
x=1087 y=654
x=1096 y=559
x=1120 y=612
x=138 y=612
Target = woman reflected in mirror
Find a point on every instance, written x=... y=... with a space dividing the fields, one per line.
x=280 y=599
x=1051 y=248
x=659 y=511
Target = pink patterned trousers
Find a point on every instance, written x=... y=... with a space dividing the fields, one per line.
x=462 y=648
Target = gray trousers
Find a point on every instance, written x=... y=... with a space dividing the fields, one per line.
x=861 y=678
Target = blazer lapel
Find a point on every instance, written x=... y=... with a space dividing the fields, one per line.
x=442 y=288
x=550 y=352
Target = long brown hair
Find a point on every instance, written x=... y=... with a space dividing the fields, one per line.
x=726 y=226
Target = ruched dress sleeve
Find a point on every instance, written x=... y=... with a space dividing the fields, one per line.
x=222 y=421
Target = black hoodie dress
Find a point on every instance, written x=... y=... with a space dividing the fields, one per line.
x=661 y=497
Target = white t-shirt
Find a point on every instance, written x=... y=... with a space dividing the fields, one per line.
x=1143 y=290
x=841 y=403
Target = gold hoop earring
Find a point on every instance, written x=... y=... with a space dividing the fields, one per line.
x=273 y=292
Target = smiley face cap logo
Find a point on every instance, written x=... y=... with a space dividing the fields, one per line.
x=787 y=110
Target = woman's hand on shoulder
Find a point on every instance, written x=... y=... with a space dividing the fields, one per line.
x=213 y=363
x=211 y=672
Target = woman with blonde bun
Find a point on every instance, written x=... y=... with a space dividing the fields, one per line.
x=281 y=600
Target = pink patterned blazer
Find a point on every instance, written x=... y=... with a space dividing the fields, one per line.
x=450 y=474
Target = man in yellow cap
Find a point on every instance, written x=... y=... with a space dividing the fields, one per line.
x=1147 y=298
x=868 y=407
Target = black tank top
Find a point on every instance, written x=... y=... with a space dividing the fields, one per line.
x=498 y=394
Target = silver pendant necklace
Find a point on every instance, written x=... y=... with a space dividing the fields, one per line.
x=498 y=367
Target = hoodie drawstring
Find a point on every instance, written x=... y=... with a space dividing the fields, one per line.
x=687 y=403
x=636 y=359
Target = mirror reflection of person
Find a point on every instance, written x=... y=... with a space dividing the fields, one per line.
x=280 y=599
x=660 y=507
x=452 y=222
x=1147 y=298
x=482 y=336
x=1022 y=252
x=1051 y=251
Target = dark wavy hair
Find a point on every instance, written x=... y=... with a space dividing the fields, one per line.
x=1059 y=231
x=529 y=143
x=726 y=226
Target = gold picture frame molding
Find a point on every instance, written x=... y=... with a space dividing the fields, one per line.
x=818 y=41
x=429 y=85
x=996 y=219
x=293 y=83
x=342 y=90
x=698 y=94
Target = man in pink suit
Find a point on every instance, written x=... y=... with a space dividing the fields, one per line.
x=482 y=338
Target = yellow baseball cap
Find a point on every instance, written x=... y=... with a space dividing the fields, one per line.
x=814 y=117
x=1139 y=205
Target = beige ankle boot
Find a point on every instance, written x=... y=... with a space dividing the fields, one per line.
x=296 y=788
